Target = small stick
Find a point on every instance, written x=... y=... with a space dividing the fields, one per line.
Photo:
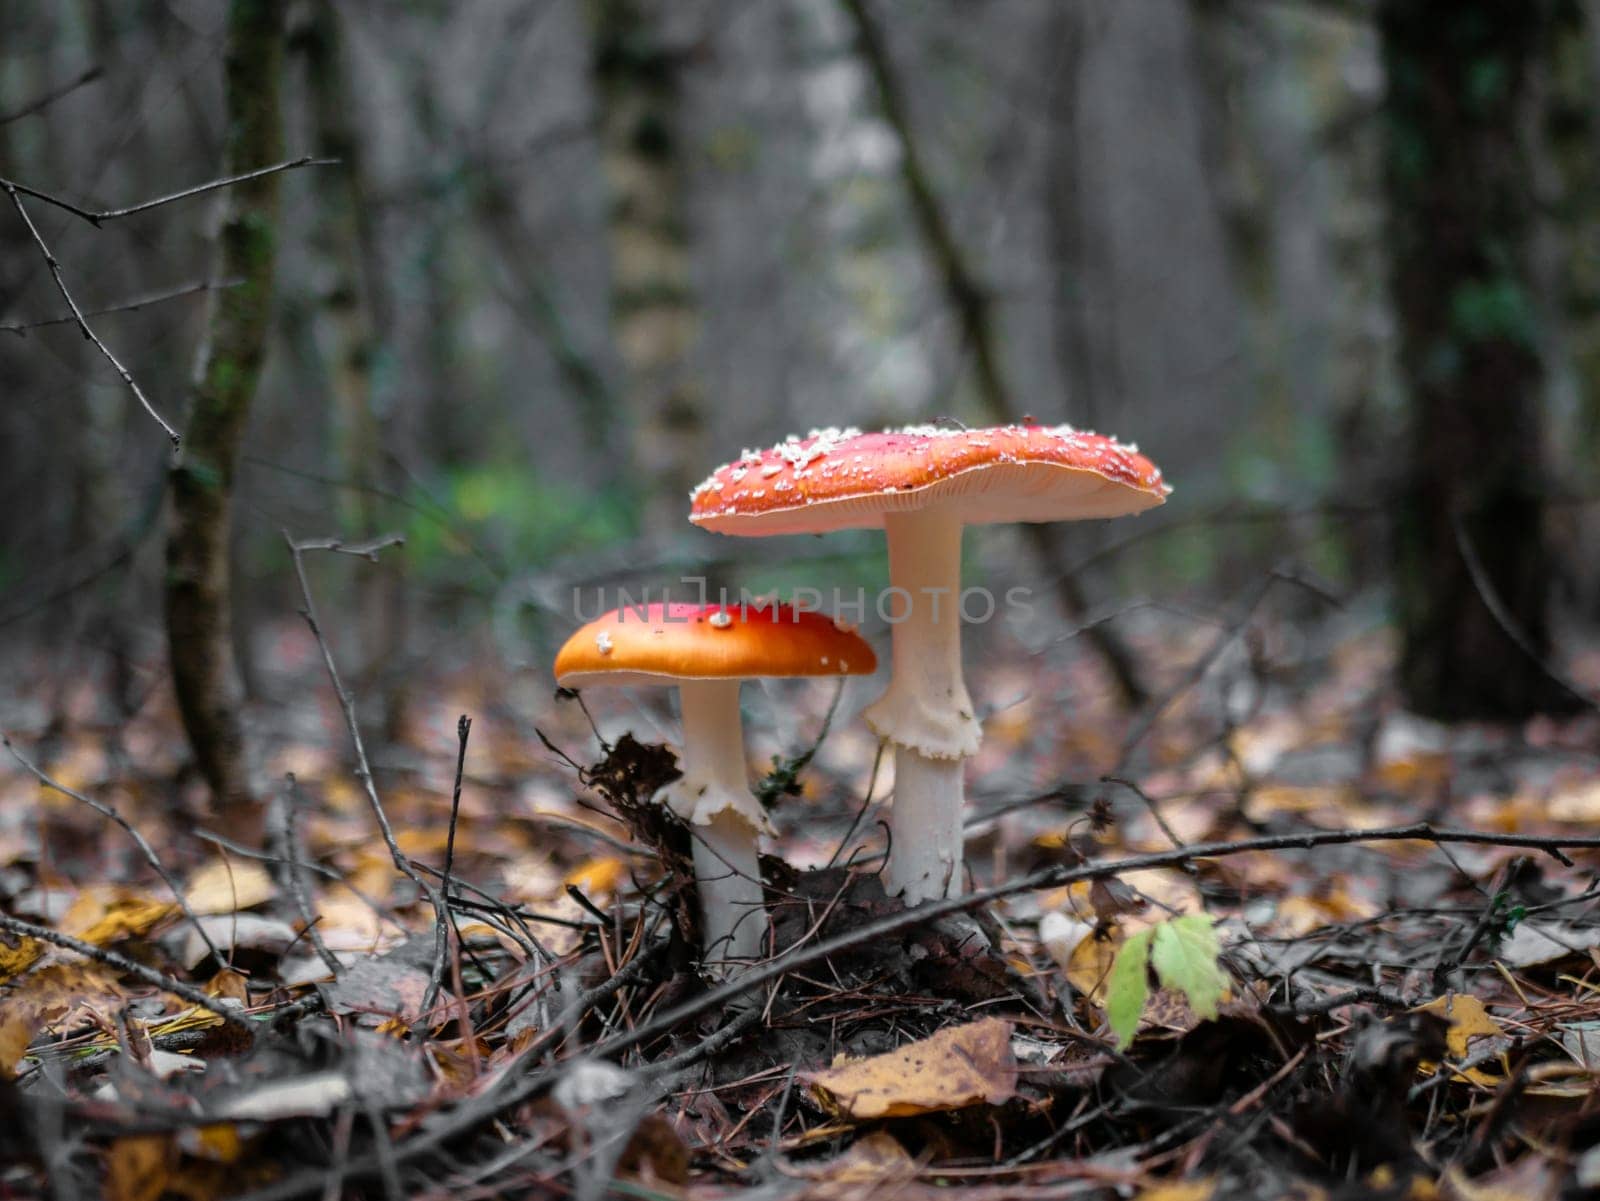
x=293 y=865
x=347 y=705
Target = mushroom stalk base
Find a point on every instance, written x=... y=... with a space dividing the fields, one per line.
x=926 y=711
x=725 y=819
x=733 y=916
x=925 y=825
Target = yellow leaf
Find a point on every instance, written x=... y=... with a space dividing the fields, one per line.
x=219 y=1143
x=597 y=875
x=1467 y=1017
x=228 y=886
x=1090 y=964
x=17 y=954
x=962 y=1066
x=1181 y=1190
x=107 y=913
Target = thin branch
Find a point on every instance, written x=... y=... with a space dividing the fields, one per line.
x=59 y=92
x=126 y=306
x=282 y=829
x=95 y=218
x=128 y=967
x=105 y=810
x=362 y=550
x=12 y=190
x=363 y=767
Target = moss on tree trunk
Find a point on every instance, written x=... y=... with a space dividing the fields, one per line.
x=198 y=609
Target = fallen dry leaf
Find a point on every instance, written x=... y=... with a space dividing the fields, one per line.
x=139 y=1168
x=876 y=1161
x=106 y=913
x=227 y=886
x=962 y=1066
x=1181 y=1190
x=17 y=954
x=1467 y=1017
x=47 y=995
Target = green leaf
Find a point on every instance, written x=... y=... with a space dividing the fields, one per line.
x=1185 y=953
x=1128 y=987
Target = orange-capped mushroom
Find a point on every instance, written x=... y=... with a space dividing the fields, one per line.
x=705 y=651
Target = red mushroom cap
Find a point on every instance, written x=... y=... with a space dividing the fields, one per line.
x=844 y=479
x=658 y=644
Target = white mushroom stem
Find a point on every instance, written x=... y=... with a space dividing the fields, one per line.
x=713 y=796
x=926 y=711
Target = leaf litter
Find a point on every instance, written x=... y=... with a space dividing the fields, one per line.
x=1405 y=1018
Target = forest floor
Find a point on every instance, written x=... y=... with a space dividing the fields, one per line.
x=281 y=1013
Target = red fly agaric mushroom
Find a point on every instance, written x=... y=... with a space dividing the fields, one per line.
x=921 y=486
x=705 y=651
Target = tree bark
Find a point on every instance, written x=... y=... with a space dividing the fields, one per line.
x=969 y=301
x=655 y=315
x=1460 y=206
x=360 y=322
x=197 y=594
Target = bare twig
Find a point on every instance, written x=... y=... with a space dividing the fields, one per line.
x=107 y=811
x=96 y=217
x=125 y=306
x=60 y=91
x=367 y=550
x=128 y=967
x=364 y=768
x=12 y=190
x=283 y=831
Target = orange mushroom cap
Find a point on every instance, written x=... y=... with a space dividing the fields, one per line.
x=844 y=479
x=656 y=644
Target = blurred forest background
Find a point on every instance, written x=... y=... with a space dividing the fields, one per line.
x=1335 y=265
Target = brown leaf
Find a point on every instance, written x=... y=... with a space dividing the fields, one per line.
x=876 y=1161
x=47 y=995
x=962 y=1066
x=139 y=1168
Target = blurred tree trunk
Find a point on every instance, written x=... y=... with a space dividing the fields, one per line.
x=969 y=301
x=1459 y=214
x=1067 y=228
x=198 y=608
x=361 y=316
x=654 y=311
